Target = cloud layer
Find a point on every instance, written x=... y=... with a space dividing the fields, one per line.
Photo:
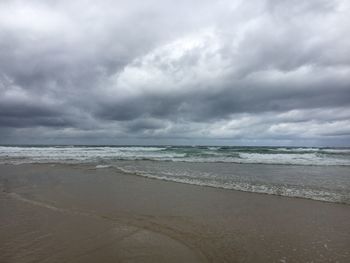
x=182 y=72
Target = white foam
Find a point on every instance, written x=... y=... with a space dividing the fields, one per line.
x=281 y=190
x=291 y=158
x=102 y=166
x=82 y=154
x=68 y=154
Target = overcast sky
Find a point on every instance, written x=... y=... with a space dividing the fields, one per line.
x=175 y=72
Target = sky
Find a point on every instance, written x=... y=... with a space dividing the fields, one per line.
x=259 y=72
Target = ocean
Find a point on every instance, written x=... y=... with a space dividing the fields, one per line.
x=299 y=172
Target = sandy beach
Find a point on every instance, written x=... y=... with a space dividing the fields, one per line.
x=77 y=213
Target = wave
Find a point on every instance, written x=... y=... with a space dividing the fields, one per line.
x=325 y=178
x=243 y=155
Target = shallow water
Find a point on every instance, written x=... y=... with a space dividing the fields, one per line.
x=326 y=183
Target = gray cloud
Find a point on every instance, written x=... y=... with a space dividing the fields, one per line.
x=263 y=72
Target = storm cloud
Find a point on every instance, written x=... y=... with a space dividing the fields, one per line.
x=175 y=72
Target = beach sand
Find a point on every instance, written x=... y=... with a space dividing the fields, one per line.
x=76 y=213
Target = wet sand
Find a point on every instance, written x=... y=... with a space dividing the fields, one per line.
x=67 y=213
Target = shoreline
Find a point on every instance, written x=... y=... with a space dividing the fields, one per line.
x=219 y=187
x=94 y=166
x=162 y=220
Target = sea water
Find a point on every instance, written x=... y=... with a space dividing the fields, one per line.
x=314 y=173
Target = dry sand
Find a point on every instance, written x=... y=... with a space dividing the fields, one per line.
x=66 y=213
